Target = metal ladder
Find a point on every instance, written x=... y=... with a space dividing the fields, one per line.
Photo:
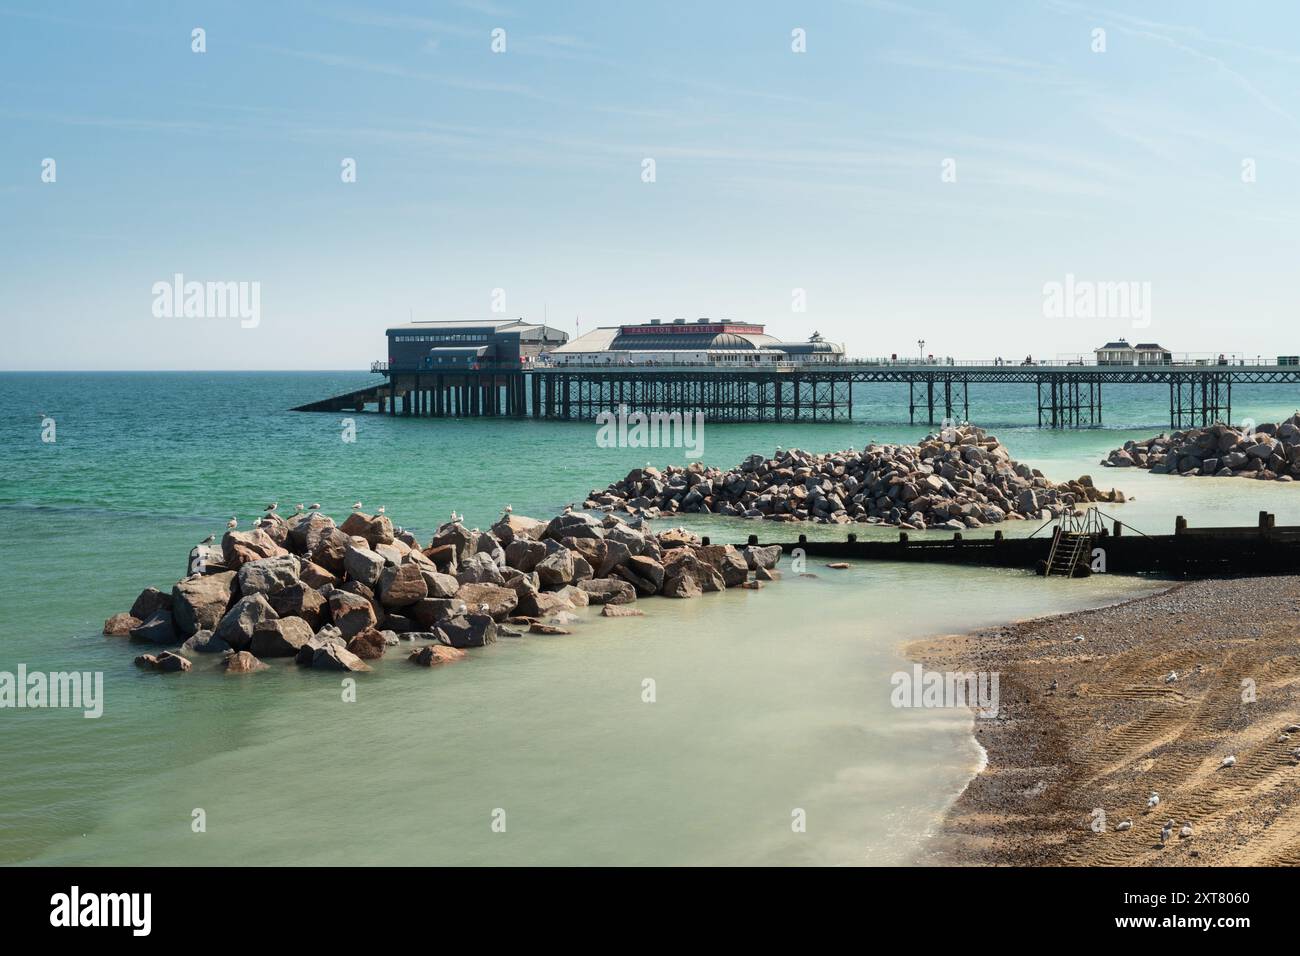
x=1067 y=549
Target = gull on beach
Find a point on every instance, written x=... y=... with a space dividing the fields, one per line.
x=1171 y=677
x=1228 y=761
x=1166 y=831
x=1153 y=801
x=1053 y=685
x=1292 y=728
x=1077 y=638
x=1283 y=738
x=1186 y=831
x=1124 y=825
x=1296 y=753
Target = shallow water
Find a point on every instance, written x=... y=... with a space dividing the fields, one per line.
x=764 y=701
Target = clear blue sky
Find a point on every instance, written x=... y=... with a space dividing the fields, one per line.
x=523 y=171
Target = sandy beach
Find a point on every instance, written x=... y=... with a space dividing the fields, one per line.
x=1115 y=729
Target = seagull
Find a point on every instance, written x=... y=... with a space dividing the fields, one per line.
x=1283 y=738
x=297 y=509
x=1053 y=685
x=1153 y=801
x=1296 y=753
x=508 y=510
x=1166 y=831
x=1124 y=825
x=455 y=517
x=314 y=506
x=381 y=510
x=483 y=608
x=1186 y=831
x=1171 y=677
x=1292 y=728
x=356 y=506
x=232 y=524
x=271 y=507
x=1228 y=761
x=208 y=540
x=1077 y=638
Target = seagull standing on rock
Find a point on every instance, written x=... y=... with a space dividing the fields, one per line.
x=269 y=509
x=297 y=509
x=1228 y=761
x=208 y=540
x=1171 y=677
x=356 y=506
x=314 y=506
x=381 y=510
x=1153 y=801
x=232 y=524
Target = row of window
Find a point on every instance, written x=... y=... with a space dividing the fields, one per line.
x=448 y=337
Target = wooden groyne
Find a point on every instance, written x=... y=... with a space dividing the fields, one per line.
x=1265 y=548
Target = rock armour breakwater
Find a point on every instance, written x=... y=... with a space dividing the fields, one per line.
x=1269 y=452
x=959 y=478
x=337 y=596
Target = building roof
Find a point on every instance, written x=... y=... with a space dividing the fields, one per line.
x=1121 y=344
x=597 y=340
x=1150 y=347
x=496 y=325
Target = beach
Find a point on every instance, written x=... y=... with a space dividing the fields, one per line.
x=1118 y=727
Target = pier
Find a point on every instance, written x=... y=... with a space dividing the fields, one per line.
x=1187 y=553
x=1069 y=394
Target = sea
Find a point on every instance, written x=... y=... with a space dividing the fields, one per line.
x=742 y=728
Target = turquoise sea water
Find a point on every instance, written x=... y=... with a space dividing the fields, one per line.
x=765 y=701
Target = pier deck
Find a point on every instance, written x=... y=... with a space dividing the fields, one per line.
x=1068 y=395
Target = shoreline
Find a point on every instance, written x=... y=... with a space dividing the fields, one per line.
x=1115 y=730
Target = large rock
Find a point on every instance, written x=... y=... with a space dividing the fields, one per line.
x=524 y=554
x=556 y=569
x=205 y=642
x=757 y=557
x=363 y=565
x=239 y=547
x=300 y=600
x=647 y=569
x=376 y=529
x=268 y=575
x=351 y=613
x=455 y=536
x=513 y=527
x=167 y=662
x=542 y=604
x=470 y=630
x=159 y=629
x=331 y=657
x=242 y=662
x=150 y=600
x=727 y=561
x=369 y=645
x=236 y=627
x=199 y=601
x=608 y=591
x=433 y=654
x=493 y=600
x=120 y=625
x=315 y=576
x=479 y=568
x=327 y=635
x=280 y=638
x=430 y=611
x=439 y=585
x=403 y=586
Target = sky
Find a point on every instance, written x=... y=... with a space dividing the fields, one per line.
x=882 y=172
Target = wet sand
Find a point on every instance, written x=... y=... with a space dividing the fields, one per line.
x=1114 y=730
